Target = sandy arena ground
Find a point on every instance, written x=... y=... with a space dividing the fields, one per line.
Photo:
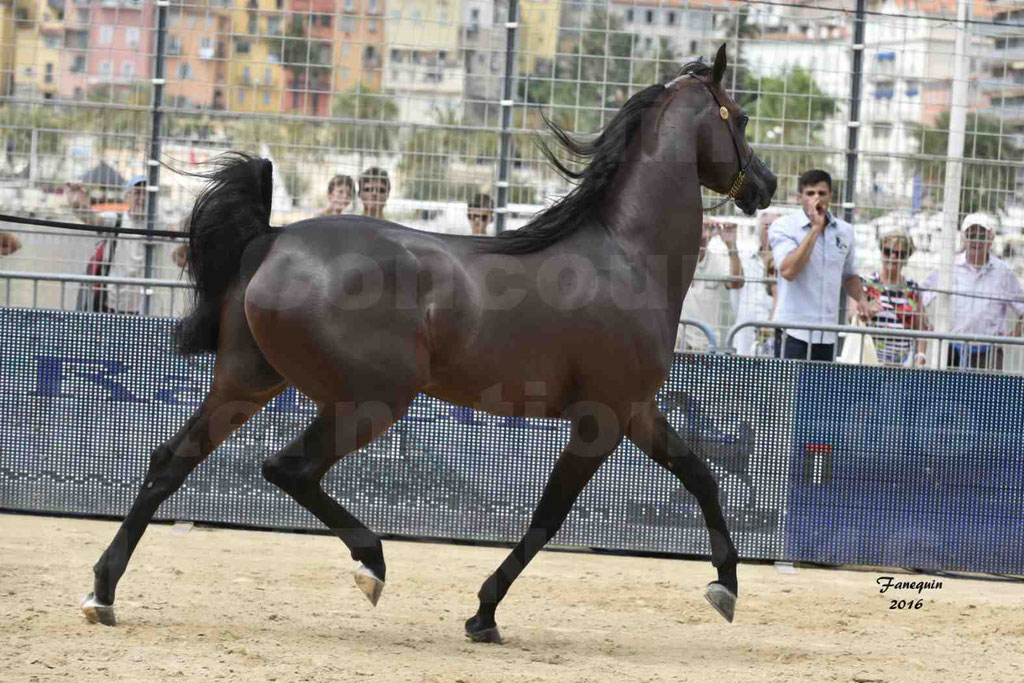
x=259 y=606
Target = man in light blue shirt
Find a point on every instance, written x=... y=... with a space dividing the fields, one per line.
x=815 y=256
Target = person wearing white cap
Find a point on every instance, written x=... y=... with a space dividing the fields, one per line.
x=986 y=291
x=114 y=256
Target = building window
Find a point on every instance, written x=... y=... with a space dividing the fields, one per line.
x=649 y=16
x=266 y=97
x=184 y=71
x=105 y=69
x=670 y=18
x=241 y=97
x=267 y=78
x=348 y=24
x=274 y=25
x=131 y=36
x=78 y=64
x=128 y=69
x=48 y=78
x=374 y=6
x=246 y=76
x=242 y=47
x=106 y=35
x=913 y=89
x=373 y=26
x=350 y=5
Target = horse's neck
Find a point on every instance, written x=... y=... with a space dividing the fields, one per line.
x=655 y=217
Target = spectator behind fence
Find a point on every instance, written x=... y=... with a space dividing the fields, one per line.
x=895 y=302
x=815 y=255
x=114 y=255
x=754 y=300
x=480 y=213
x=708 y=300
x=986 y=291
x=9 y=243
x=374 y=189
x=341 y=190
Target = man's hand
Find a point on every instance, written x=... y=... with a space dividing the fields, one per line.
x=819 y=217
x=180 y=255
x=727 y=231
x=866 y=310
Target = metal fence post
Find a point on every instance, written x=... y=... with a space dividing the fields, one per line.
x=153 y=162
x=853 y=123
x=505 y=146
x=853 y=130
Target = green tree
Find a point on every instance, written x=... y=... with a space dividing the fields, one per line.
x=305 y=57
x=595 y=73
x=374 y=116
x=787 y=112
x=985 y=186
x=21 y=123
x=427 y=158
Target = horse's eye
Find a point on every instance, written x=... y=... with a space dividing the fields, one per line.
x=744 y=120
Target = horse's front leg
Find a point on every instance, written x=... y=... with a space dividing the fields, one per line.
x=589 y=446
x=650 y=431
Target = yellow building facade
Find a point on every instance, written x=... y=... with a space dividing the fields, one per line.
x=538 y=32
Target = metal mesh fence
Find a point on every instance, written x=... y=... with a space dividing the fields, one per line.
x=448 y=97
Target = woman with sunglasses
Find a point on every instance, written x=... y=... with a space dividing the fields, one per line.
x=895 y=302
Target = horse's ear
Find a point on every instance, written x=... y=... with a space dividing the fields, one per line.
x=718 y=70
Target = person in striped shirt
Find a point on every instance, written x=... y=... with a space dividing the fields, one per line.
x=895 y=302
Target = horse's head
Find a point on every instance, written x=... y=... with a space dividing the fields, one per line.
x=725 y=161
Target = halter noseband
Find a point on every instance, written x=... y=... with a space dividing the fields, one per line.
x=741 y=177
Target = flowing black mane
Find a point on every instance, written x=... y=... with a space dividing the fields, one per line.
x=606 y=154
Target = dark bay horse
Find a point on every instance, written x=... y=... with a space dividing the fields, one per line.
x=573 y=316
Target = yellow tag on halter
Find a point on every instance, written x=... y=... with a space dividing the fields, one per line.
x=724 y=112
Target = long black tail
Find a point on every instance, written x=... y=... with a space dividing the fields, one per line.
x=231 y=211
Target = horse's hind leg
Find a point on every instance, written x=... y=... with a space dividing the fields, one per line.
x=299 y=469
x=652 y=434
x=573 y=469
x=169 y=465
x=243 y=383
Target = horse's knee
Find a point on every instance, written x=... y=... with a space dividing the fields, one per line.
x=696 y=476
x=288 y=474
x=166 y=471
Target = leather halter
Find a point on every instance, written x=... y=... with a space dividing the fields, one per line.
x=741 y=177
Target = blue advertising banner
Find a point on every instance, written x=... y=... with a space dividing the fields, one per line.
x=86 y=397
x=907 y=468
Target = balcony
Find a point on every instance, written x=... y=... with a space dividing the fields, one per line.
x=1010 y=113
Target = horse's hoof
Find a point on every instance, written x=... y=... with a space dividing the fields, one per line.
x=482 y=635
x=722 y=599
x=368 y=582
x=96 y=612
